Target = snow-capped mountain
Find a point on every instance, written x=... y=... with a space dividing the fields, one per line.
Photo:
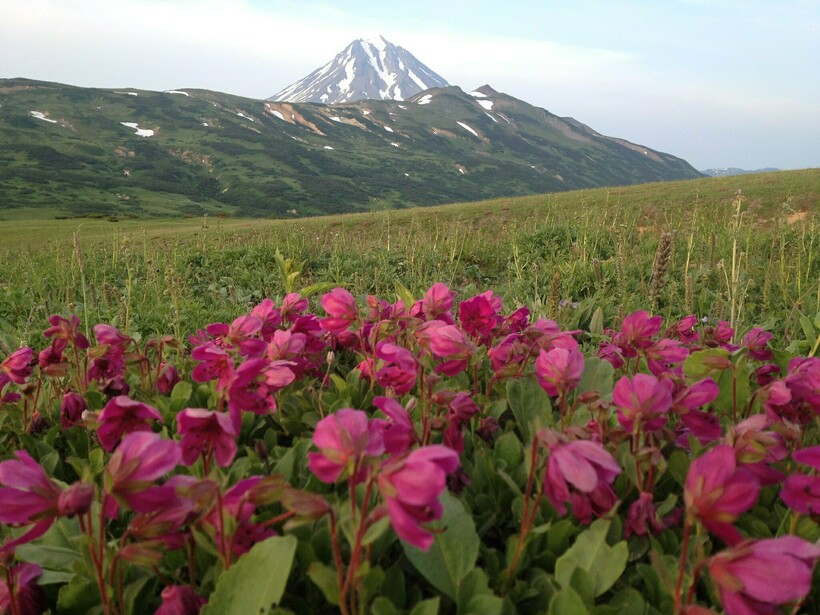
x=365 y=69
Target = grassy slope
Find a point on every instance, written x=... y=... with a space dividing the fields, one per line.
x=206 y=157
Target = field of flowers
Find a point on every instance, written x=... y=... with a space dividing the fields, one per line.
x=439 y=453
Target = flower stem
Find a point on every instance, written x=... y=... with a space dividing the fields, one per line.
x=684 y=557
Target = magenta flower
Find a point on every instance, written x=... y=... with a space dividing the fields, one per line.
x=52 y=360
x=293 y=306
x=29 y=497
x=341 y=308
x=717 y=492
x=559 y=370
x=756 y=446
x=642 y=518
x=167 y=379
x=254 y=385
x=240 y=334
x=446 y=342
x=109 y=335
x=238 y=506
x=180 y=600
x=756 y=342
x=29 y=598
x=507 y=356
x=757 y=576
x=67 y=329
x=269 y=316
x=663 y=354
x=643 y=402
x=71 y=409
x=801 y=492
x=206 y=433
x=637 y=331
x=684 y=330
x=122 y=415
x=216 y=363
x=140 y=459
x=345 y=441
x=411 y=487
x=399 y=369
x=803 y=381
x=397 y=431
x=437 y=303
x=579 y=471
x=17 y=366
x=478 y=316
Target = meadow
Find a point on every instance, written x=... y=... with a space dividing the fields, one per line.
x=751 y=257
x=598 y=402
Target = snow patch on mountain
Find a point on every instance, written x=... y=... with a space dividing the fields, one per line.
x=140 y=132
x=42 y=116
x=467 y=128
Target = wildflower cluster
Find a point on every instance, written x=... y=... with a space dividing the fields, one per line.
x=373 y=432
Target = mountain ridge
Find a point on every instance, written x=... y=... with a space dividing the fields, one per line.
x=189 y=151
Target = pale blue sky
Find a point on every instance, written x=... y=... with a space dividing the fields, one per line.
x=717 y=82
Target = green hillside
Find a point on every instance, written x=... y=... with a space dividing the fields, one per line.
x=66 y=152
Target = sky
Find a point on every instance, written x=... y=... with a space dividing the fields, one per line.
x=719 y=83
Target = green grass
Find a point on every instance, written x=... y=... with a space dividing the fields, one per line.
x=174 y=275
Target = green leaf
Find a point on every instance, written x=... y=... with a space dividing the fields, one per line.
x=326 y=580
x=256 y=581
x=530 y=405
x=453 y=553
x=475 y=596
x=679 y=466
x=180 y=395
x=403 y=294
x=383 y=606
x=319 y=287
x=703 y=363
x=583 y=583
x=599 y=375
x=567 y=602
x=591 y=552
x=79 y=596
x=734 y=389
x=596 y=323
x=426 y=607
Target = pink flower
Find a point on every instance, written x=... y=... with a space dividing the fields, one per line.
x=579 y=471
x=29 y=598
x=269 y=316
x=206 y=433
x=663 y=354
x=71 y=409
x=756 y=342
x=411 y=487
x=122 y=415
x=238 y=505
x=108 y=335
x=345 y=441
x=293 y=306
x=684 y=330
x=216 y=363
x=168 y=378
x=446 y=342
x=559 y=370
x=717 y=492
x=801 y=492
x=757 y=576
x=180 y=600
x=642 y=518
x=28 y=496
x=51 y=359
x=478 y=317
x=140 y=459
x=399 y=370
x=17 y=366
x=397 y=432
x=67 y=329
x=254 y=385
x=437 y=303
x=643 y=402
x=637 y=331
x=756 y=446
x=508 y=355
x=341 y=308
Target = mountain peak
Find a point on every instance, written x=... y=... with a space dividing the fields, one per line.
x=368 y=68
